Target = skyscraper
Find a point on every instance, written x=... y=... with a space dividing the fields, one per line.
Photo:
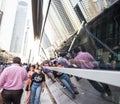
x=19 y=28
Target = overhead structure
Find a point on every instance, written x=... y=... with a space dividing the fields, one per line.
x=38 y=18
x=37 y=13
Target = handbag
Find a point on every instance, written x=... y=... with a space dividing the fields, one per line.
x=27 y=88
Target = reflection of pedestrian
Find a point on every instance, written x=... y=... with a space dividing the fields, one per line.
x=85 y=60
x=48 y=72
x=37 y=85
x=11 y=80
x=64 y=79
x=63 y=61
x=113 y=63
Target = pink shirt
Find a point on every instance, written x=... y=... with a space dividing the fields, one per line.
x=29 y=77
x=84 y=60
x=13 y=77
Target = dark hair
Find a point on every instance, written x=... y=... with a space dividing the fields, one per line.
x=17 y=60
x=55 y=62
x=41 y=67
x=79 y=48
x=62 y=54
x=33 y=66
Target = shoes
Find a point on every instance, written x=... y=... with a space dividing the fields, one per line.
x=73 y=96
x=64 y=87
x=109 y=93
x=76 y=92
x=106 y=95
x=78 y=79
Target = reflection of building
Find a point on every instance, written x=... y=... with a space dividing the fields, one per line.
x=90 y=8
x=61 y=24
x=5 y=57
x=86 y=7
x=63 y=15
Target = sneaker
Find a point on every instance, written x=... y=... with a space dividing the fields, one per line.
x=73 y=96
x=64 y=87
x=107 y=97
x=109 y=93
x=104 y=95
x=76 y=92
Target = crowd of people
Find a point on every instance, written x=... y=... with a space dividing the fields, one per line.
x=13 y=77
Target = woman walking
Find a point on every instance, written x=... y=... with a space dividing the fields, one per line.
x=32 y=70
x=37 y=85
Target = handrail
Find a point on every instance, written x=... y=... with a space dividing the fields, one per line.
x=75 y=36
x=108 y=77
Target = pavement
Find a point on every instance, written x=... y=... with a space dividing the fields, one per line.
x=87 y=94
x=56 y=94
x=45 y=97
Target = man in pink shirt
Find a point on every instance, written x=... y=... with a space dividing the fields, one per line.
x=12 y=80
x=85 y=60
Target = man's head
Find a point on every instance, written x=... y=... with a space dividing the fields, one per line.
x=79 y=48
x=62 y=54
x=17 y=60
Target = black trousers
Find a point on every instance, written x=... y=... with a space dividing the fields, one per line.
x=11 y=96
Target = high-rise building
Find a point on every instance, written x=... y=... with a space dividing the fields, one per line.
x=7 y=16
x=19 y=28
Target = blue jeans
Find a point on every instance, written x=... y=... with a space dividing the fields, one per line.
x=67 y=82
x=35 y=93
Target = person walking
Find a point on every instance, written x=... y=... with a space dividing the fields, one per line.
x=32 y=70
x=85 y=60
x=37 y=85
x=12 y=82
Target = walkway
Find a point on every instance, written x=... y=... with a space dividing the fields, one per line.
x=87 y=94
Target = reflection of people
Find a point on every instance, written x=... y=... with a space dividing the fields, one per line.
x=37 y=85
x=64 y=79
x=113 y=64
x=84 y=60
x=11 y=80
x=63 y=61
x=48 y=72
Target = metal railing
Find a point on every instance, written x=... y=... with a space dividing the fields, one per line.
x=108 y=77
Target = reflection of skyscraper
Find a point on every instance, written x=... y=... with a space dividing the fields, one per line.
x=19 y=26
x=79 y=13
x=64 y=16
